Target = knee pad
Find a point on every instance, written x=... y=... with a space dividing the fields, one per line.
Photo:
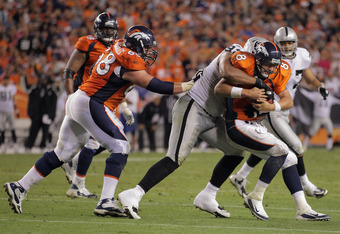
x=92 y=144
x=291 y=160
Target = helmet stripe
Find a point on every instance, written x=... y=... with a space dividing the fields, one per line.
x=108 y=15
x=286 y=28
x=275 y=46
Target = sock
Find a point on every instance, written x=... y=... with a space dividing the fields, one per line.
x=157 y=173
x=211 y=189
x=48 y=162
x=291 y=178
x=85 y=160
x=31 y=178
x=224 y=168
x=301 y=203
x=301 y=166
x=247 y=167
x=140 y=190
x=305 y=181
x=79 y=181
x=271 y=167
x=259 y=190
x=115 y=165
x=109 y=187
x=14 y=136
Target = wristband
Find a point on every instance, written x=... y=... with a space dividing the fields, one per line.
x=277 y=106
x=236 y=92
x=68 y=74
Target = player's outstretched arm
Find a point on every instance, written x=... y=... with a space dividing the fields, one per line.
x=315 y=84
x=151 y=83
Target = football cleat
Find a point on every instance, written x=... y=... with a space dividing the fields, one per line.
x=130 y=201
x=239 y=183
x=208 y=203
x=69 y=171
x=16 y=194
x=256 y=208
x=313 y=216
x=79 y=192
x=108 y=207
x=315 y=192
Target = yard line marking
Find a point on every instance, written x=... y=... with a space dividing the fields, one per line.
x=165 y=225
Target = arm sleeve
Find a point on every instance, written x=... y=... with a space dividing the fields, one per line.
x=162 y=87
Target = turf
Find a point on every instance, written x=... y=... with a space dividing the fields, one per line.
x=167 y=208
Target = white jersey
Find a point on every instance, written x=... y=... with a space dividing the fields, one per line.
x=6 y=97
x=298 y=64
x=203 y=90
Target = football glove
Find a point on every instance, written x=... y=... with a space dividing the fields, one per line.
x=324 y=92
x=186 y=86
x=127 y=113
x=262 y=85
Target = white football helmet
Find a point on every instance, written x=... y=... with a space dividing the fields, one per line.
x=252 y=43
x=285 y=34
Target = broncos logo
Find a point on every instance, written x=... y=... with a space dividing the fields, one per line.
x=260 y=48
x=137 y=34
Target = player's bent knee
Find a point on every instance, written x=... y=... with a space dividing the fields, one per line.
x=92 y=144
x=290 y=160
x=279 y=149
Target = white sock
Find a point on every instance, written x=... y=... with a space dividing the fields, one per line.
x=245 y=170
x=31 y=178
x=301 y=203
x=140 y=190
x=79 y=180
x=109 y=187
x=259 y=190
x=211 y=189
x=305 y=181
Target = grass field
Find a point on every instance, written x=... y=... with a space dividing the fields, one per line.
x=167 y=208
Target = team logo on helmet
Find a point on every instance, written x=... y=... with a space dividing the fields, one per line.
x=261 y=49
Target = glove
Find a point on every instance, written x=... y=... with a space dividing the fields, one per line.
x=46 y=120
x=197 y=75
x=261 y=85
x=186 y=86
x=127 y=113
x=234 y=48
x=324 y=92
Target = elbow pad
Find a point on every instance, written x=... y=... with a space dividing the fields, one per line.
x=162 y=87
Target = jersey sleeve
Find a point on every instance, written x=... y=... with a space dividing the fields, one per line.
x=128 y=58
x=283 y=78
x=305 y=56
x=84 y=42
x=244 y=61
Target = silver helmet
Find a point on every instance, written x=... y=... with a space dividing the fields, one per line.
x=285 y=34
x=252 y=43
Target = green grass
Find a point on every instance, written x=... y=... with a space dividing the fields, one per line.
x=167 y=208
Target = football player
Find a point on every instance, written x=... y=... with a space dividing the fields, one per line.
x=196 y=115
x=277 y=122
x=86 y=53
x=89 y=112
x=245 y=130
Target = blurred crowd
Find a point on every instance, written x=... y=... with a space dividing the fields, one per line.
x=37 y=37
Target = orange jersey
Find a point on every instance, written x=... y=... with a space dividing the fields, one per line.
x=241 y=108
x=93 y=49
x=106 y=84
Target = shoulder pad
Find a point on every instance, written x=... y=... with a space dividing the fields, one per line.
x=127 y=58
x=84 y=42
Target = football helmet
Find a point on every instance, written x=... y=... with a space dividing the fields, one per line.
x=105 y=28
x=252 y=43
x=141 y=40
x=268 y=59
x=286 y=34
